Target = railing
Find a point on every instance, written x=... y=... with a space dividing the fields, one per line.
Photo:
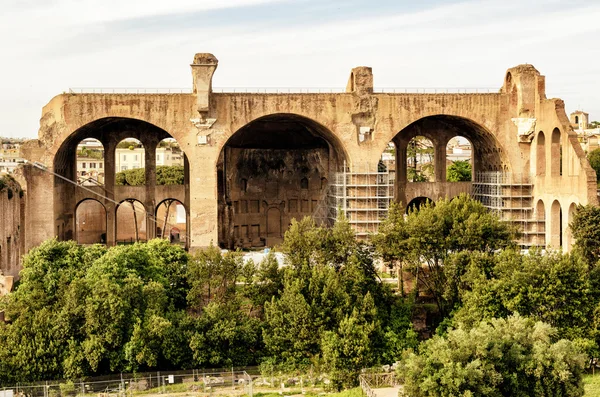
x=371 y=381
x=283 y=90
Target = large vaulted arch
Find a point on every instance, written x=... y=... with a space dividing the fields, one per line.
x=270 y=171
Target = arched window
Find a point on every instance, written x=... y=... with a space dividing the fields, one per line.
x=171 y=221
x=304 y=183
x=540 y=217
x=169 y=163
x=90 y=162
x=576 y=119
x=131 y=222
x=420 y=166
x=90 y=222
x=555 y=154
x=540 y=168
x=556 y=225
x=130 y=163
x=459 y=160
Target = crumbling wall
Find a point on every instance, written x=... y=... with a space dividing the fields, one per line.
x=12 y=206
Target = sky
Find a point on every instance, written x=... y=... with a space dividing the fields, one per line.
x=49 y=46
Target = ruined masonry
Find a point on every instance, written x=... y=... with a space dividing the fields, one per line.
x=254 y=161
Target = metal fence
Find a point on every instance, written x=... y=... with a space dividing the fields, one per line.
x=158 y=383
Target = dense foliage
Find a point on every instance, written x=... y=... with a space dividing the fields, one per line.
x=165 y=175
x=459 y=171
x=502 y=357
x=501 y=314
x=81 y=311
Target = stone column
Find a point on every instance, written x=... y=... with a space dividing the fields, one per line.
x=401 y=175
x=109 y=191
x=150 y=203
x=439 y=160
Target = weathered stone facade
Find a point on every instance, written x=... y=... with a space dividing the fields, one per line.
x=256 y=160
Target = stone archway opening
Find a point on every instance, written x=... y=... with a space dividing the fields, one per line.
x=459 y=160
x=130 y=163
x=172 y=222
x=540 y=161
x=540 y=224
x=90 y=162
x=416 y=204
x=556 y=225
x=132 y=222
x=420 y=160
x=90 y=222
x=270 y=171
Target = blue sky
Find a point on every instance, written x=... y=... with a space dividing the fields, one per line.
x=48 y=46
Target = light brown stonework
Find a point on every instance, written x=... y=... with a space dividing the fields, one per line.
x=225 y=135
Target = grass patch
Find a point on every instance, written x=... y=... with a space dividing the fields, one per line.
x=591 y=385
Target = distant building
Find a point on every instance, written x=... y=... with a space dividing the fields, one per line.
x=587 y=133
x=10 y=155
x=90 y=160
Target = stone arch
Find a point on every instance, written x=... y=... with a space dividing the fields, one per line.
x=131 y=221
x=283 y=156
x=90 y=222
x=540 y=161
x=243 y=133
x=416 y=203
x=109 y=131
x=556 y=225
x=488 y=154
x=555 y=153
x=170 y=215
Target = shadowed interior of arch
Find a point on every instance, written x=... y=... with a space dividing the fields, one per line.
x=270 y=171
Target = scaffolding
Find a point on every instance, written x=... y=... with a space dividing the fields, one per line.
x=510 y=196
x=363 y=195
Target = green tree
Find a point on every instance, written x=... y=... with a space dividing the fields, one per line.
x=585 y=229
x=45 y=312
x=165 y=175
x=427 y=238
x=500 y=357
x=594 y=158
x=459 y=171
x=349 y=348
x=551 y=287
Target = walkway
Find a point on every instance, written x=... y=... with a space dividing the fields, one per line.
x=387 y=391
